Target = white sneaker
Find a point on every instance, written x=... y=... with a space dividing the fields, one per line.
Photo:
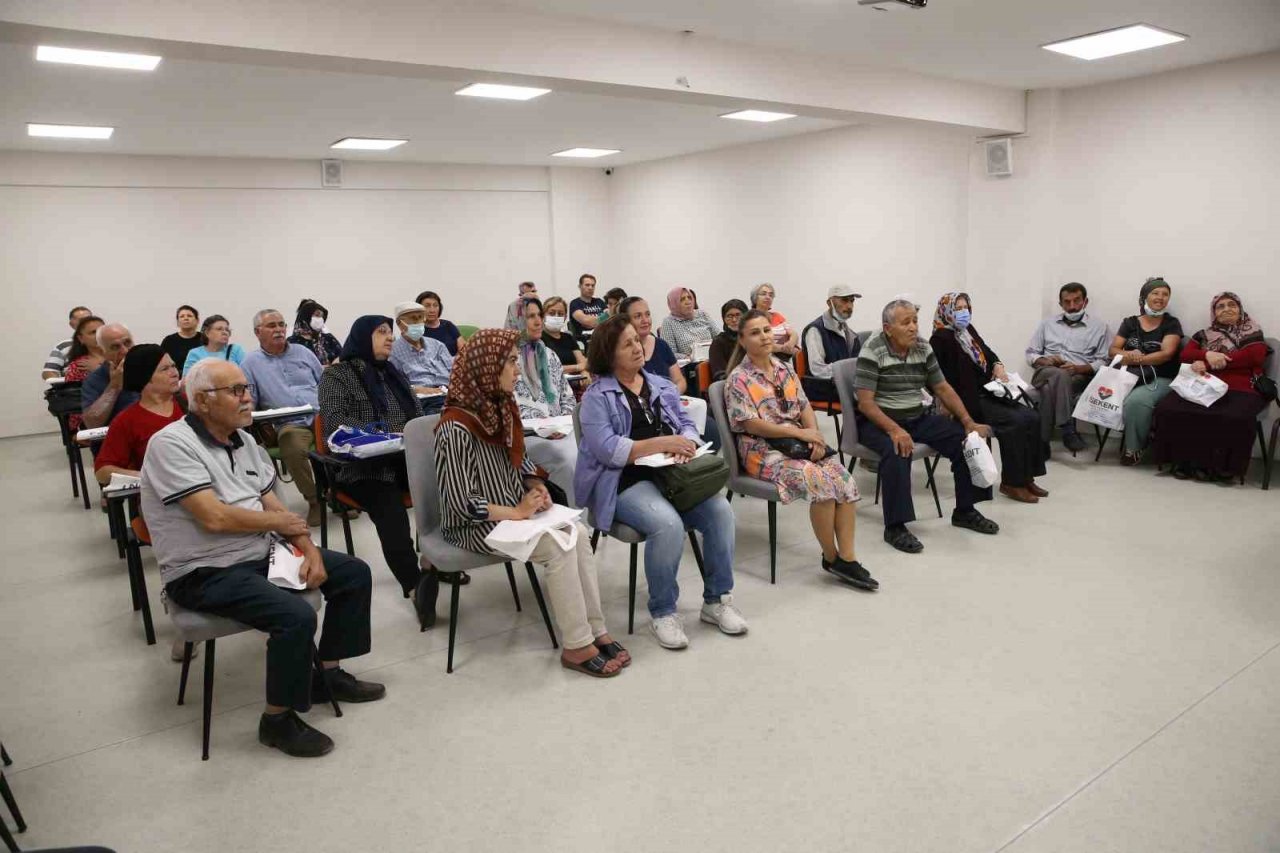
x=670 y=631
x=724 y=615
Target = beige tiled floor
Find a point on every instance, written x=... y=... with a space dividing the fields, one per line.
x=1101 y=676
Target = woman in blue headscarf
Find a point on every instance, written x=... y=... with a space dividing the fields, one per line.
x=542 y=391
x=365 y=389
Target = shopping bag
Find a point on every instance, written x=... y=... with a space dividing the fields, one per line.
x=1194 y=388
x=1102 y=403
x=364 y=443
x=518 y=539
x=982 y=465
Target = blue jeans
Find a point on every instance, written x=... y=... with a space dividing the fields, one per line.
x=643 y=507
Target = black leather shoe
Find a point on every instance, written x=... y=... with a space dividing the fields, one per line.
x=852 y=573
x=289 y=734
x=903 y=539
x=346 y=688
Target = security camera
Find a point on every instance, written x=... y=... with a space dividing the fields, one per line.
x=608 y=171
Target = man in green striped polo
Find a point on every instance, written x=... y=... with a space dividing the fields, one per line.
x=894 y=368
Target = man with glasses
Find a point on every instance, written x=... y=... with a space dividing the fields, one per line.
x=827 y=340
x=208 y=497
x=282 y=375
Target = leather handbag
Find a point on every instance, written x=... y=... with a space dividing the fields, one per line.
x=685 y=486
x=1266 y=387
x=794 y=448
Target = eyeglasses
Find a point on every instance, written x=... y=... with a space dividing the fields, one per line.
x=236 y=390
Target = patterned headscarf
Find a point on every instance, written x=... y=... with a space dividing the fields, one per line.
x=475 y=400
x=534 y=366
x=674 y=295
x=945 y=318
x=1222 y=338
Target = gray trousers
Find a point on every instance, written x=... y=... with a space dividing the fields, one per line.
x=1058 y=393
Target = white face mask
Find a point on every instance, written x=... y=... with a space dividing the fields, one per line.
x=317 y=323
x=555 y=324
x=1151 y=312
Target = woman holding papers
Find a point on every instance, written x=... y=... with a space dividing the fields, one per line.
x=778 y=441
x=687 y=325
x=542 y=391
x=628 y=414
x=485 y=477
x=969 y=364
x=364 y=387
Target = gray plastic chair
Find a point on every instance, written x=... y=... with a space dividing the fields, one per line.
x=195 y=627
x=844 y=374
x=1272 y=369
x=449 y=560
x=629 y=535
x=741 y=483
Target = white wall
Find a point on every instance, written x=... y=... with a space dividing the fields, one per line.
x=134 y=237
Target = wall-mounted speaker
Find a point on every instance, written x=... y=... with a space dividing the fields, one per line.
x=999 y=157
x=330 y=173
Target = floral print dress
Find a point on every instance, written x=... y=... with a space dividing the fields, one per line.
x=776 y=396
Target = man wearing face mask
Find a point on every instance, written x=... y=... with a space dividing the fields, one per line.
x=424 y=361
x=1066 y=350
x=829 y=339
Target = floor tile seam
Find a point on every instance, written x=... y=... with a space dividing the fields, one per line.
x=1088 y=783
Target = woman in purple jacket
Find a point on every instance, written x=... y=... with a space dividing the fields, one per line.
x=626 y=414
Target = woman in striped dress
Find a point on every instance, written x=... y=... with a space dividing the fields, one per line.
x=485 y=477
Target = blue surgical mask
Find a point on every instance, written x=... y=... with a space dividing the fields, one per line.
x=415 y=331
x=1151 y=312
x=1074 y=316
x=962 y=318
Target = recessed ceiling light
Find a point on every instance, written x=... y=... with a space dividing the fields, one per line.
x=757 y=115
x=587 y=152
x=360 y=143
x=497 y=90
x=99 y=58
x=69 y=131
x=1115 y=42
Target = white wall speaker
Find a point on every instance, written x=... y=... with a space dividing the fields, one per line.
x=999 y=157
x=330 y=173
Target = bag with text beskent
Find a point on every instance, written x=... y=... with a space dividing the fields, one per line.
x=1102 y=403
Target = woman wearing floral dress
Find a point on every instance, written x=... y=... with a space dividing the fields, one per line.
x=765 y=401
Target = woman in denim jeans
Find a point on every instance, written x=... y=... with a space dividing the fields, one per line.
x=626 y=414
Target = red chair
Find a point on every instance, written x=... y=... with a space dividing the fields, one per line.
x=704 y=378
x=832 y=409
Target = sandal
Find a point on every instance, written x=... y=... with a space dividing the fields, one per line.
x=976 y=521
x=594 y=667
x=903 y=539
x=610 y=651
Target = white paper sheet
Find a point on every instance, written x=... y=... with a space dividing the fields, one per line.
x=287 y=410
x=122 y=483
x=86 y=436
x=546 y=427
x=662 y=460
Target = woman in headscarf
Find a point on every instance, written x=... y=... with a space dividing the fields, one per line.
x=731 y=313
x=1215 y=442
x=515 y=311
x=485 y=477
x=968 y=365
x=687 y=324
x=366 y=388
x=310 y=331
x=1148 y=343
x=149 y=372
x=543 y=391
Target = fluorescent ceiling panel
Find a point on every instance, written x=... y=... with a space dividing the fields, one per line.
x=69 y=131
x=1115 y=42
x=360 y=143
x=497 y=90
x=757 y=115
x=97 y=58
x=587 y=152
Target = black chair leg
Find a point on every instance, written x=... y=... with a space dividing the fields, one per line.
x=697 y=553
x=1269 y=456
x=877 y=500
x=12 y=804
x=1102 y=442
x=187 y=649
x=324 y=523
x=453 y=620
x=631 y=595
x=7 y=837
x=542 y=604
x=595 y=540
x=773 y=542
x=4 y=756
x=839 y=436
x=346 y=532
x=324 y=676
x=515 y=593
x=208 y=697
x=139 y=582
x=79 y=463
x=728 y=495
x=931 y=470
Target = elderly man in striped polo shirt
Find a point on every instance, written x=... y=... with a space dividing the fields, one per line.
x=894 y=367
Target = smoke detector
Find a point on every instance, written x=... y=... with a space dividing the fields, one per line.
x=888 y=5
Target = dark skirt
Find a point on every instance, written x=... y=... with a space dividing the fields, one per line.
x=1218 y=438
x=1017 y=430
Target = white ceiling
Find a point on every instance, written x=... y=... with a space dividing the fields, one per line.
x=193 y=108
x=988 y=41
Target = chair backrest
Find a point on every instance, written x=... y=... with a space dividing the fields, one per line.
x=467 y=331
x=843 y=373
x=317 y=430
x=1271 y=367
x=728 y=440
x=420 y=462
x=704 y=377
x=802 y=363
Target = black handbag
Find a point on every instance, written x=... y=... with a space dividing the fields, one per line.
x=1265 y=386
x=685 y=486
x=794 y=448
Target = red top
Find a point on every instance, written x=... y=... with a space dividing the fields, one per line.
x=126 y=441
x=1245 y=363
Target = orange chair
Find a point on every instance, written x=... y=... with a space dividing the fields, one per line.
x=704 y=377
x=332 y=498
x=832 y=409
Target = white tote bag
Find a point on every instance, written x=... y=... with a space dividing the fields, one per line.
x=1192 y=387
x=1102 y=403
x=982 y=465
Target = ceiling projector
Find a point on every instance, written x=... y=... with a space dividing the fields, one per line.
x=886 y=5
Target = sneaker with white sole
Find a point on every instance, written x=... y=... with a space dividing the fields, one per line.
x=725 y=615
x=669 y=631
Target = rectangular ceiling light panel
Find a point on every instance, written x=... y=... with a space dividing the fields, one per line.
x=757 y=115
x=69 y=131
x=1115 y=42
x=497 y=90
x=98 y=58
x=587 y=152
x=360 y=143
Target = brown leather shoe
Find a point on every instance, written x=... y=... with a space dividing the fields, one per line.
x=1036 y=490
x=1018 y=493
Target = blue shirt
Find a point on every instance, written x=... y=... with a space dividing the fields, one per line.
x=447 y=334
x=95 y=383
x=288 y=379
x=233 y=353
x=427 y=367
x=663 y=359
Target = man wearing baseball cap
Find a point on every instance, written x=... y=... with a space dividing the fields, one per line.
x=425 y=361
x=829 y=339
